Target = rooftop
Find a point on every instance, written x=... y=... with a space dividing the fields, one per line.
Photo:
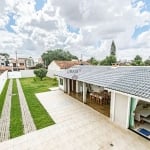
x=68 y=64
x=130 y=80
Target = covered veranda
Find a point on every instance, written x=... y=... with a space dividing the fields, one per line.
x=94 y=96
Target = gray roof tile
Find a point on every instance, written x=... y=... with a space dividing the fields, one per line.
x=131 y=80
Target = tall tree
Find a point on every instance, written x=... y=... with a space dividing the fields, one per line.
x=137 y=61
x=6 y=57
x=57 y=54
x=93 y=61
x=113 y=49
x=109 y=60
x=147 y=62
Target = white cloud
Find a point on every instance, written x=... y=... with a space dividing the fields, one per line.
x=98 y=22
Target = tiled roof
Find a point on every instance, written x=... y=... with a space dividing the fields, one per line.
x=68 y=64
x=130 y=80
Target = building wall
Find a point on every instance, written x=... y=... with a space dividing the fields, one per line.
x=52 y=69
x=61 y=86
x=95 y=88
x=121 y=110
x=27 y=73
x=14 y=74
x=21 y=74
x=3 y=78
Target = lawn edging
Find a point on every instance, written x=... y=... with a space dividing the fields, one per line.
x=16 y=123
x=39 y=114
x=3 y=95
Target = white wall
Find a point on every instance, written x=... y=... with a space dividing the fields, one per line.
x=27 y=73
x=21 y=74
x=95 y=88
x=52 y=69
x=121 y=109
x=14 y=74
x=61 y=86
x=3 y=78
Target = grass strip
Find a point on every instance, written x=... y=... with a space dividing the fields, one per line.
x=30 y=87
x=3 y=95
x=16 y=124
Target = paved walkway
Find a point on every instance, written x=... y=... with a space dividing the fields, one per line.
x=5 y=116
x=78 y=127
x=26 y=116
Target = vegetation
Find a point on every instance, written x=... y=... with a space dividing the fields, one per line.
x=113 y=49
x=147 y=62
x=57 y=54
x=16 y=125
x=93 y=61
x=30 y=87
x=109 y=60
x=137 y=61
x=38 y=66
x=41 y=73
x=3 y=95
x=6 y=57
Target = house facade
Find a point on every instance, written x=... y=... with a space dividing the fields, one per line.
x=56 y=66
x=120 y=93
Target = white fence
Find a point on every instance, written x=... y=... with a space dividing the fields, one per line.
x=3 y=78
x=21 y=74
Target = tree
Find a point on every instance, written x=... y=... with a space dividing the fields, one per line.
x=147 y=62
x=113 y=49
x=137 y=61
x=109 y=60
x=41 y=73
x=57 y=54
x=37 y=66
x=6 y=58
x=93 y=61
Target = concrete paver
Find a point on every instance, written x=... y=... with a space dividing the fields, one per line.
x=78 y=127
x=26 y=115
x=5 y=116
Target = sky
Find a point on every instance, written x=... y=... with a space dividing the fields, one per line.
x=83 y=27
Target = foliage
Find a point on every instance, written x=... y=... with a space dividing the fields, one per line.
x=30 y=87
x=37 y=66
x=147 y=62
x=113 y=49
x=137 y=61
x=108 y=60
x=93 y=61
x=16 y=124
x=5 y=54
x=41 y=73
x=3 y=95
x=6 y=57
x=57 y=54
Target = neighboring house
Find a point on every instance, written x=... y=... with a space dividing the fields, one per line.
x=55 y=66
x=29 y=62
x=2 y=60
x=120 y=93
x=19 y=64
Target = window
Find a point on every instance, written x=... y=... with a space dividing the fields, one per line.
x=61 y=81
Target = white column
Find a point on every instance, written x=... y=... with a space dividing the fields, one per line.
x=112 y=106
x=128 y=112
x=68 y=86
x=72 y=85
x=84 y=92
x=77 y=86
x=65 y=86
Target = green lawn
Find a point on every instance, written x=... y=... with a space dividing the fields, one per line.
x=3 y=95
x=30 y=87
x=16 y=125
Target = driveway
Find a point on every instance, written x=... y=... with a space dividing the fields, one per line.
x=78 y=127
